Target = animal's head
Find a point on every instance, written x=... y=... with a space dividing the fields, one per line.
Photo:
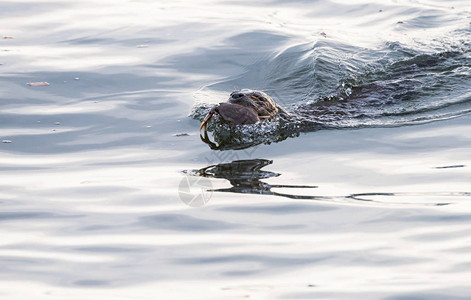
x=259 y=101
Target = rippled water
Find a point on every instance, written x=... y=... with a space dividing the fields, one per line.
x=335 y=85
x=107 y=191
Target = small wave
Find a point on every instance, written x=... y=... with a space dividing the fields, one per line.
x=329 y=84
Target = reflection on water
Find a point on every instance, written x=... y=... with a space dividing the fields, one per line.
x=245 y=176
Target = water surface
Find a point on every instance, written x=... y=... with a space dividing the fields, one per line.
x=107 y=191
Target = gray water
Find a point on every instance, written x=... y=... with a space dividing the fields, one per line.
x=108 y=192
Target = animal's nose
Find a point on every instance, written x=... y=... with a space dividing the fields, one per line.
x=236 y=95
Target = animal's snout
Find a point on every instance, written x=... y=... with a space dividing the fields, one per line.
x=236 y=95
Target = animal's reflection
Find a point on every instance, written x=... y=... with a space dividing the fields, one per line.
x=245 y=177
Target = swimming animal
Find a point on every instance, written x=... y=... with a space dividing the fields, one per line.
x=246 y=107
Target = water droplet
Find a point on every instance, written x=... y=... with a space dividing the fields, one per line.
x=348 y=91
